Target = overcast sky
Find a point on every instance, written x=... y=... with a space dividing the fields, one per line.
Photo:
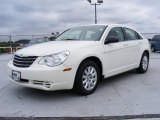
x=46 y=16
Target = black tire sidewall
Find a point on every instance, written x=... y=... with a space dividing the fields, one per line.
x=141 y=67
x=78 y=86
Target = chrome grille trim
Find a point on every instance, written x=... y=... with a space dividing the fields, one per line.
x=15 y=60
x=21 y=58
x=24 y=61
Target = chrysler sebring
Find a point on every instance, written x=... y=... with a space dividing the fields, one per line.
x=80 y=58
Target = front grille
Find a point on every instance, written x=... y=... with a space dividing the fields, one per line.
x=19 y=61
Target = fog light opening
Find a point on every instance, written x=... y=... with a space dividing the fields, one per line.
x=47 y=84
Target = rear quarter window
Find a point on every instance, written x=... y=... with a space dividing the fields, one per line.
x=139 y=36
x=131 y=34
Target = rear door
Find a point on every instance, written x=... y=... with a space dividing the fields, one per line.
x=135 y=42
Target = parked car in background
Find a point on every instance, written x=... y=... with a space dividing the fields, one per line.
x=155 y=43
x=80 y=58
x=20 y=43
x=36 y=41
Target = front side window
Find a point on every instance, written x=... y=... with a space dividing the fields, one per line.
x=116 y=33
x=130 y=34
x=84 y=33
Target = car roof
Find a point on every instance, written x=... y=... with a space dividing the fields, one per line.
x=156 y=37
x=109 y=25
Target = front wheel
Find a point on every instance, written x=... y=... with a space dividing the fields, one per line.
x=87 y=78
x=143 y=67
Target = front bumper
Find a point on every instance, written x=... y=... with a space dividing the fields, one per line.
x=44 y=77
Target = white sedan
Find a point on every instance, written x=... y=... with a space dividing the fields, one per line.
x=80 y=58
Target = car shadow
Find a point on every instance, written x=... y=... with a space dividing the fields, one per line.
x=40 y=95
x=117 y=78
x=29 y=93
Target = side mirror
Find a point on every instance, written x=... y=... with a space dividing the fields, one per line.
x=111 y=40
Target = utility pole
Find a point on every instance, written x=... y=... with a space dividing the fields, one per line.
x=10 y=41
x=99 y=2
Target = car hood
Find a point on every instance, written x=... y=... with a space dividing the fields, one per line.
x=48 y=48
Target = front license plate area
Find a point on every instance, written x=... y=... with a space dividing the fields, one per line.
x=16 y=75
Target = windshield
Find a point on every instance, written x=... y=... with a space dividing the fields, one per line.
x=84 y=33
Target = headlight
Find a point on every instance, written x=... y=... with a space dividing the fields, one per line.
x=54 y=59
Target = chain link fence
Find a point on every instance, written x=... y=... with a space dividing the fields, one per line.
x=11 y=43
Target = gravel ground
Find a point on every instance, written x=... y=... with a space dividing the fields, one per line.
x=125 y=94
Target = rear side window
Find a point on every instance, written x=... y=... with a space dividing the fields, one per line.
x=117 y=33
x=130 y=34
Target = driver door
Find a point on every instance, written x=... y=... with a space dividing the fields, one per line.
x=116 y=54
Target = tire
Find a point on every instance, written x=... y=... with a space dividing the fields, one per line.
x=87 y=84
x=144 y=63
x=153 y=49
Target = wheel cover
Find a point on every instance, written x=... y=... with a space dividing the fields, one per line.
x=89 y=78
x=145 y=62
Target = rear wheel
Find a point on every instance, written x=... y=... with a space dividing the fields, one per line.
x=87 y=78
x=143 y=67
